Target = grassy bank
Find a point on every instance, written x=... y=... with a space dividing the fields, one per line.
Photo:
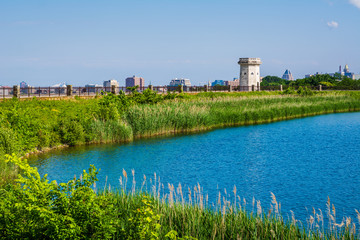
x=35 y=125
x=39 y=209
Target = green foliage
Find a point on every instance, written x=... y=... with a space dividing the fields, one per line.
x=35 y=208
x=349 y=83
x=273 y=81
x=8 y=141
x=145 y=223
x=71 y=131
x=179 y=89
x=328 y=84
x=314 y=80
x=304 y=91
x=147 y=97
x=289 y=90
x=39 y=209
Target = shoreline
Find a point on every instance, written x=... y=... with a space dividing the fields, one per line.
x=175 y=133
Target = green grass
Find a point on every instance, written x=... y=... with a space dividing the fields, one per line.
x=200 y=114
x=35 y=125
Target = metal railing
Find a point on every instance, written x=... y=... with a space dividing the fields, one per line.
x=30 y=92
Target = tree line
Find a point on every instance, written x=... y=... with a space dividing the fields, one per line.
x=316 y=80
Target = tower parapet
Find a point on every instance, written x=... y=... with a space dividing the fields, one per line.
x=256 y=61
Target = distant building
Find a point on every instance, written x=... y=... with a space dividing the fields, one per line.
x=59 y=88
x=180 y=81
x=23 y=84
x=24 y=87
x=4 y=91
x=111 y=82
x=218 y=82
x=234 y=83
x=346 y=72
x=92 y=87
x=288 y=75
x=135 y=81
x=61 y=85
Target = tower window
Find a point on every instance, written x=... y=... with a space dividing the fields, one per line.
x=252 y=73
x=244 y=73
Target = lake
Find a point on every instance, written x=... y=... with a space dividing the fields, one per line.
x=302 y=161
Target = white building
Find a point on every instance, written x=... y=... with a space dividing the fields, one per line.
x=4 y=91
x=58 y=88
x=111 y=82
x=180 y=81
x=249 y=73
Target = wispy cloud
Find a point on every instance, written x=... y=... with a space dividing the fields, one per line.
x=333 y=24
x=356 y=3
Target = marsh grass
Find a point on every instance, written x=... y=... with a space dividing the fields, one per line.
x=194 y=114
x=189 y=212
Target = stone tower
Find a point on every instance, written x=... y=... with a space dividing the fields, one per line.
x=249 y=74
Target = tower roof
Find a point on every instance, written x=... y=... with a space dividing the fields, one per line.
x=249 y=61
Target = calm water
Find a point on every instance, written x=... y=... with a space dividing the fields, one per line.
x=302 y=161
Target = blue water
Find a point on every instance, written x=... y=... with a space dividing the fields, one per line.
x=302 y=161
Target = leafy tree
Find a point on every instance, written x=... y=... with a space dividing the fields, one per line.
x=273 y=81
x=314 y=80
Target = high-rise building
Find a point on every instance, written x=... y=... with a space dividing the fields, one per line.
x=180 y=81
x=288 y=75
x=135 y=81
x=346 y=72
x=23 y=84
x=249 y=73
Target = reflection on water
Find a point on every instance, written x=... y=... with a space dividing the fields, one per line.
x=302 y=161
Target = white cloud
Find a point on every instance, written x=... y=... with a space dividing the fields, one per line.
x=356 y=3
x=332 y=24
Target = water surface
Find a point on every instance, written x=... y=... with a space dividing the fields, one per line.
x=302 y=161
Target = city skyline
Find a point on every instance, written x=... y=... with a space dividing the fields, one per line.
x=82 y=42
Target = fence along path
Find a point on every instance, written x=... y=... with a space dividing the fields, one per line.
x=69 y=90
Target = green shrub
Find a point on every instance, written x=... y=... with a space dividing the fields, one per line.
x=145 y=222
x=305 y=91
x=37 y=209
x=71 y=132
x=8 y=141
x=289 y=90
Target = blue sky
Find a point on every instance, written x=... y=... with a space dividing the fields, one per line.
x=85 y=41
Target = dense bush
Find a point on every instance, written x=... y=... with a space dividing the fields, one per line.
x=8 y=140
x=37 y=209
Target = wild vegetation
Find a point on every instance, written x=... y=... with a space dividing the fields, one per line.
x=35 y=208
x=330 y=82
x=37 y=125
x=32 y=207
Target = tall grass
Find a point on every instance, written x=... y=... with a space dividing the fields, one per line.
x=196 y=114
x=190 y=213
